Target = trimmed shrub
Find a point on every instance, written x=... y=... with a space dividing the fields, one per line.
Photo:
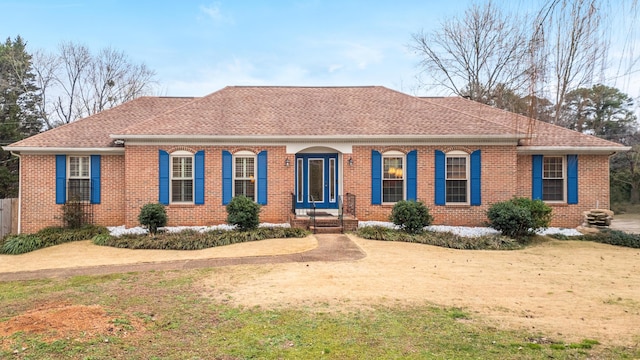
x=244 y=213
x=152 y=216
x=519 y=217
x=411 y=216
x=540 y=212
x=511 y=220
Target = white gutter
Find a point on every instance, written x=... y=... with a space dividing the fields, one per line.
x=19 y=192
x=586 y=150
x=296 y=138
x=65 y=150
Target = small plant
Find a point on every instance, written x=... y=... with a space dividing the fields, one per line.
x=153 y=216
x=74 y=214
x=411 y=216
x=244 y=213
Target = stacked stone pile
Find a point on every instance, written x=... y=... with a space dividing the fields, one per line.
x=598 y=218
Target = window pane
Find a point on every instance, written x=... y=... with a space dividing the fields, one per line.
x=300 y=180
x=456 y=191
x=79 y=190
x=457 y=168
x=182 y=191
x=392 y=191
x=553 y=168
x=84 y=166
x=392 y=168
x=332 y=180
x=74 y=166
x=246 y=188
x=316 y=180
x=553 y=189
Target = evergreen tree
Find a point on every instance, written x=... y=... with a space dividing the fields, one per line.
x=19 y=117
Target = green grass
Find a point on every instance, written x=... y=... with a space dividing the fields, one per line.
x=166 y=316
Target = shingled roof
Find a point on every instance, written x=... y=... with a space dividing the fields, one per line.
x=371 y=112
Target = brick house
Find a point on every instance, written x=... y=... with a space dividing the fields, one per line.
x=357 y=149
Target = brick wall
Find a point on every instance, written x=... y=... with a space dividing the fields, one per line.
x=142 y=184
x=504 y=173
x=593 y=188
x=38 y=201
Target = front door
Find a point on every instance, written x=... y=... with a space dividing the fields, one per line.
x=317 y=181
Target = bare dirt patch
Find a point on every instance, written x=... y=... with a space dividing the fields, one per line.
x=569 y=290
x=55 y=321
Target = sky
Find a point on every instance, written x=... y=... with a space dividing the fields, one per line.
x=198 y=47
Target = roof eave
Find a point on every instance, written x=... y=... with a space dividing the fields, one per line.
x=318 y=138
x=64 y=150
x=582 y=150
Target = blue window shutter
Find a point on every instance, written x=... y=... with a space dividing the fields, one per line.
x=61 y=179
x=536 y=182
x=262 y=178
x=412 y=174
x=227 y=177
x=95 y=179
x=376 y=178
x=476 y=178
x=199 y=178
x=440 y=179
x=163 y=177
x=572 y=179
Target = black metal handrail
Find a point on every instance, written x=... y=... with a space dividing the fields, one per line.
x=293 y=203
x=350 y=204
x=313 y=213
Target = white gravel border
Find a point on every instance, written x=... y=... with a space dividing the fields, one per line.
x=122 y=230
x=458 y=230
x=471 y=231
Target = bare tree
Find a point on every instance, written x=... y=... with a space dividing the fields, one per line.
x=45 y=67
x=75 y=83
x=473 y=55
x=574 y=46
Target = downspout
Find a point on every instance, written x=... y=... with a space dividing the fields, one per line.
x=19 y=191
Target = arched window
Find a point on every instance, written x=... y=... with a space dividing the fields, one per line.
x=244 y=174
x=393 y=176
x=457 y=177
x=181 y=177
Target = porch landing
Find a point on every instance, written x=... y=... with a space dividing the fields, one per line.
x=323 y=222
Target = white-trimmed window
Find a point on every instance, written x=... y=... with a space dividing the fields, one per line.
x=79 y=178
x=244 y=174
x=457 y=177
x=553 y=178
x=393 y=176
x=181 y=177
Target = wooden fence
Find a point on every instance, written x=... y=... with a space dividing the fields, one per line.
x=8 y=216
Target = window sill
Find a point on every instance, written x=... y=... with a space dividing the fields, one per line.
x=463 y=206
x=556 y=204
x=182 y=205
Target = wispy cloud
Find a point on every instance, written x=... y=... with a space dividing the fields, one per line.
x=214 y=12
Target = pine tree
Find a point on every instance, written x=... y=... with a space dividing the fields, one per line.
x=19 y=117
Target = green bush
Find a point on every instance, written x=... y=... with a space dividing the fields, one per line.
x=511 y=220
x=244 y=213
x=152 y=216
x=540 y=212
x=411 y=216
